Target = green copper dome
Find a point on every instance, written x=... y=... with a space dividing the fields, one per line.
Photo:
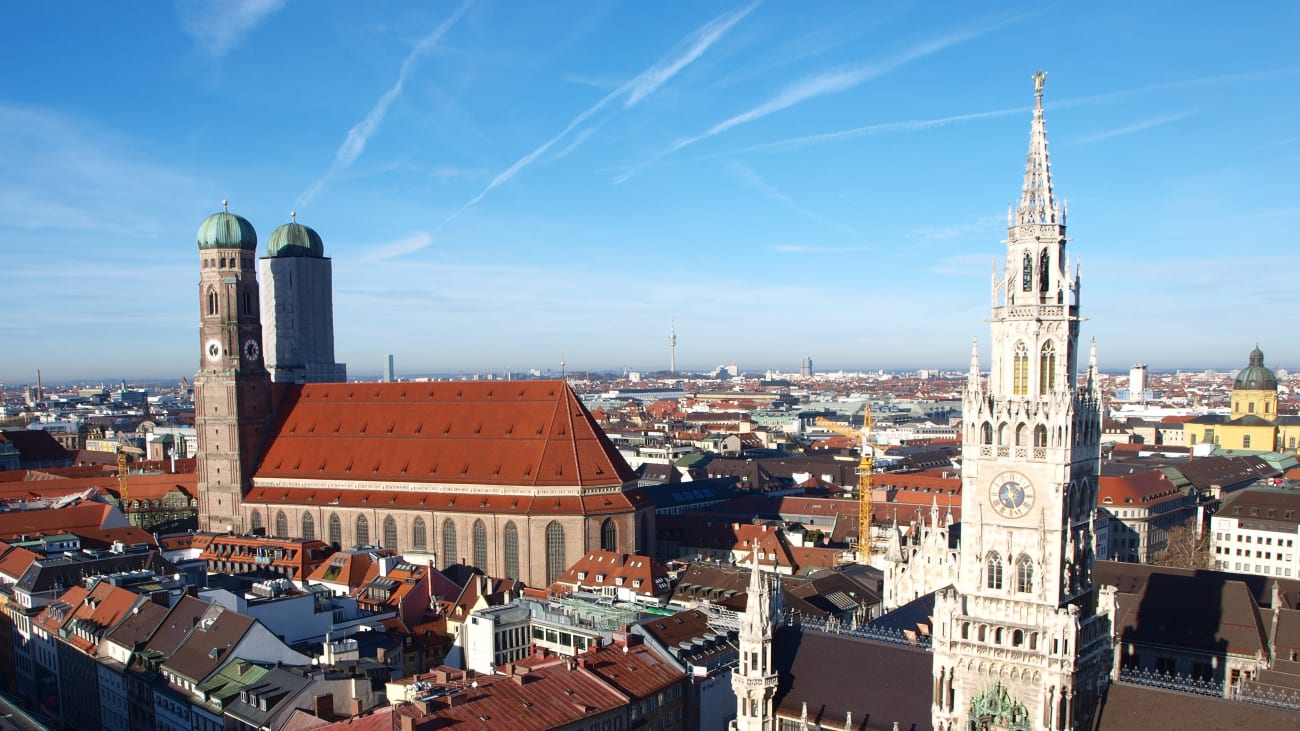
x=225 y=230
x=295 y=239
x=1255 y=377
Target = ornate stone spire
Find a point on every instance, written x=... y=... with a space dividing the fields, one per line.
x=973 y=377
x=1037 y=203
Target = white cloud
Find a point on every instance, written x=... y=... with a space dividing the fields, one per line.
x=217 y=26
x=357 y=138
x=819 y=85
x=405 y=245
x=641 y=86
x=749 y=177
x=1128 y=129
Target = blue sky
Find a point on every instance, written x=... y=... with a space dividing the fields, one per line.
x=500 y=183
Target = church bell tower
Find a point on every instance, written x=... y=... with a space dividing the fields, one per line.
x=232 y=390
x=1023 y=641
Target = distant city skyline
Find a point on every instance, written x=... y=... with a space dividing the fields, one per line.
x=502 y=187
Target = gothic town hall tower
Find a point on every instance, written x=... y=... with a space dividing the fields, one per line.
x=1023 y=641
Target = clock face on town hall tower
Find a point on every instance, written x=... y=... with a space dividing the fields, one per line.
x=1012 y=495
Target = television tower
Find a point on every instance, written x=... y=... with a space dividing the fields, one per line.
x=672 y=347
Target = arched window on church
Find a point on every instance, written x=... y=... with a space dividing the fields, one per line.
x=281 y=524
x=1020 y=371
x=308 y=527
x=255 y=520
x=1027 y=274
x=248 y=301
x=480 y=545
x=1024 y=575
x=555 y=563
x=390 y=532
x=1040 y=436
x=993 y=571
x=608 y=535
x=363 y=531
x=449 y=550
x=510 y=539
x=1022 y=432
x=1044 y=261
x=986 y=433
x=336 y=531
x=419 y=535
x=213 y=308
x=1002 y=435
x=1047 y=369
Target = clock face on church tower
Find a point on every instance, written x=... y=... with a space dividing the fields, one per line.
x=1012 y=495
x=213 y=350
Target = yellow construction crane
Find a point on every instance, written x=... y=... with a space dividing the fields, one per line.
x=865 y=468
x=122 y=449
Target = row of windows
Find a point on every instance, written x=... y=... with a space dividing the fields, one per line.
x=1253 y=568
x=1220 y=550
x=1262 y=540
x=1046 y=370
x=556 y=562
x=1022 y=434
x=1024 y=572
x=223 y=262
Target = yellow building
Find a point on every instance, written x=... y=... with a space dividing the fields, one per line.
x=1254 y=422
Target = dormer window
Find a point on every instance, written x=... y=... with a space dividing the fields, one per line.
x=582 y=576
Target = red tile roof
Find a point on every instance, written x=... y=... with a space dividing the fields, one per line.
x=1138 y=488
x=641 y=574
x=515 y=433
x=49 y=522
x=615 y=502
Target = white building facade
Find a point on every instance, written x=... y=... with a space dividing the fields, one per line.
x=1023 y=641
x=1257 y=532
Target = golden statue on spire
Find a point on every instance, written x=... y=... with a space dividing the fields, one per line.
x=1040 y=78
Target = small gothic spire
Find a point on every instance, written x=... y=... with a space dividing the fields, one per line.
x=1037 y=204
x=973 y=377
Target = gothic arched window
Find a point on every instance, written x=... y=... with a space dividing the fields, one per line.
x=336 y=531
x=1040 y=436
x=555 y=564
x=281 y=524
x=986 y=433
x=419 y=535
x=1021 y=431
x=212 y=302
x=993 y=571
x=1047 y=369
x=1024 y=575
x=255 y=520
x=308 y=527
x=511 y=544
x=608 y=535
x=1044 y=261
x=1027 y=274
x=448 y=543
x=1020 y=371
x=1002 y=435
x=363 y=531
x=480 y=545
x=390 y=532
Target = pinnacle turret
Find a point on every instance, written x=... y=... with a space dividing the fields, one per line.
x=1037 y=202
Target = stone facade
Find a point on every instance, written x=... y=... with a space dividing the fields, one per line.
x=1023 y=641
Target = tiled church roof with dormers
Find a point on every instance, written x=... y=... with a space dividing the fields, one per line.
x=507 y=433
